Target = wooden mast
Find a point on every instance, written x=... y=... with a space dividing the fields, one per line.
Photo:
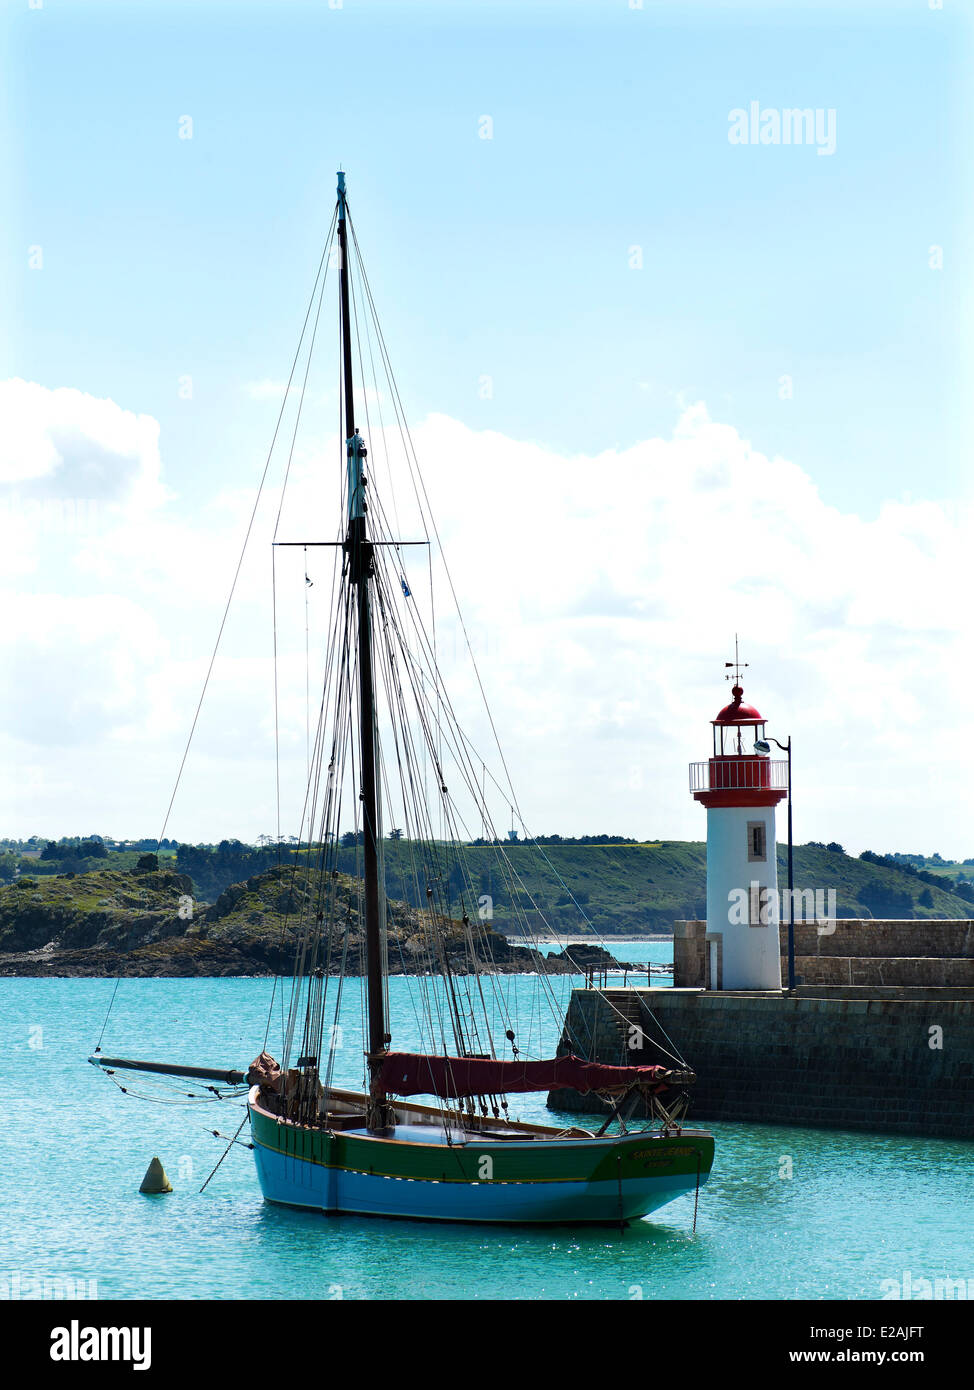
x=360 y=553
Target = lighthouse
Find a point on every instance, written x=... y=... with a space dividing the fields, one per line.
x=740 y=788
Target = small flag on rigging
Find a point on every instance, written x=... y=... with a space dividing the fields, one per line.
x=405 y=588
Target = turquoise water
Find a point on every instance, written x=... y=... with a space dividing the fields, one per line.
x=857 y=1209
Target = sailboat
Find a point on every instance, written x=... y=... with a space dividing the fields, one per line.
x=429 y=1135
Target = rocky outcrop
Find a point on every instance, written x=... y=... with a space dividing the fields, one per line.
x=587 y=956
x=110 y=910
x=109 y=923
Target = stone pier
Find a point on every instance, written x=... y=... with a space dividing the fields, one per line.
x=879 y=1034
x=849 y=951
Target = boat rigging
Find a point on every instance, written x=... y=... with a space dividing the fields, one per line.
x=386 y=729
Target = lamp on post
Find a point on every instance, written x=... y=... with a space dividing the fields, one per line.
x=764 y=746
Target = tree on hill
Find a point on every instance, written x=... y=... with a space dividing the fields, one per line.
x=214 y=868
x=882 y=899
x=904 y=864
x=229 y=849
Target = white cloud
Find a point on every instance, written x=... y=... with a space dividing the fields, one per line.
x=67 y=444
x=602 y=595
x=265 y=389
x=75 y=667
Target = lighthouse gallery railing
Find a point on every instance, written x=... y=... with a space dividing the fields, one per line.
x=739 y=773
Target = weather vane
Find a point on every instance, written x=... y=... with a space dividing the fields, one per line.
x=737 y=664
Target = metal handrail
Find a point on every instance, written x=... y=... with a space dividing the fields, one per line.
x=741 y=772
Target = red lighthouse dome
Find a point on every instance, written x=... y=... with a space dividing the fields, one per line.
x=737 y=712
x=737 y=774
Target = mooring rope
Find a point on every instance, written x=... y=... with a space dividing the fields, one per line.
x=227 y=1149
x=108 y=1015
x=696 y=1196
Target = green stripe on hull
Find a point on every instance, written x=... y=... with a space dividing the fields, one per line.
x=612 y=1158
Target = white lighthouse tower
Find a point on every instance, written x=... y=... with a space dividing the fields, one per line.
x=740 y=789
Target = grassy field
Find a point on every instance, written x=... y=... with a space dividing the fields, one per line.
x=607 y=890
x=630 y=889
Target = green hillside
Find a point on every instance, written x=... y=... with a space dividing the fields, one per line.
x=632 y=889
x=112 y=920
x=109 y=909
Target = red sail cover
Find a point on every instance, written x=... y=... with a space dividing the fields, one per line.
x=412 y=1074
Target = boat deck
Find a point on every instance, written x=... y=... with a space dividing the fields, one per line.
x=415 y=1123
x=437 y=1134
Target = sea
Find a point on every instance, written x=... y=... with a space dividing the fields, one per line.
x=788 y=1213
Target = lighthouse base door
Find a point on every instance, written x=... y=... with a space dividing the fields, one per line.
x=715 y=960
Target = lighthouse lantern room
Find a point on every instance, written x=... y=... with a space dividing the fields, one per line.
x=740 y=788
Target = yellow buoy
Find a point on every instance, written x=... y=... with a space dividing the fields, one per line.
x=155 y=1179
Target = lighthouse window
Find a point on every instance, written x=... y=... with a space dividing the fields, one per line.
x=756 y=844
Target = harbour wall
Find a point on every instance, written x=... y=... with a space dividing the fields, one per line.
x=831 y=1057
x=878 y=1035
x=855 y=952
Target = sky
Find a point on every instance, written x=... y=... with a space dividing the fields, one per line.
x=666 y=385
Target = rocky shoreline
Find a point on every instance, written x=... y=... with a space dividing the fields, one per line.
x=214 y=959
x=114 y=923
